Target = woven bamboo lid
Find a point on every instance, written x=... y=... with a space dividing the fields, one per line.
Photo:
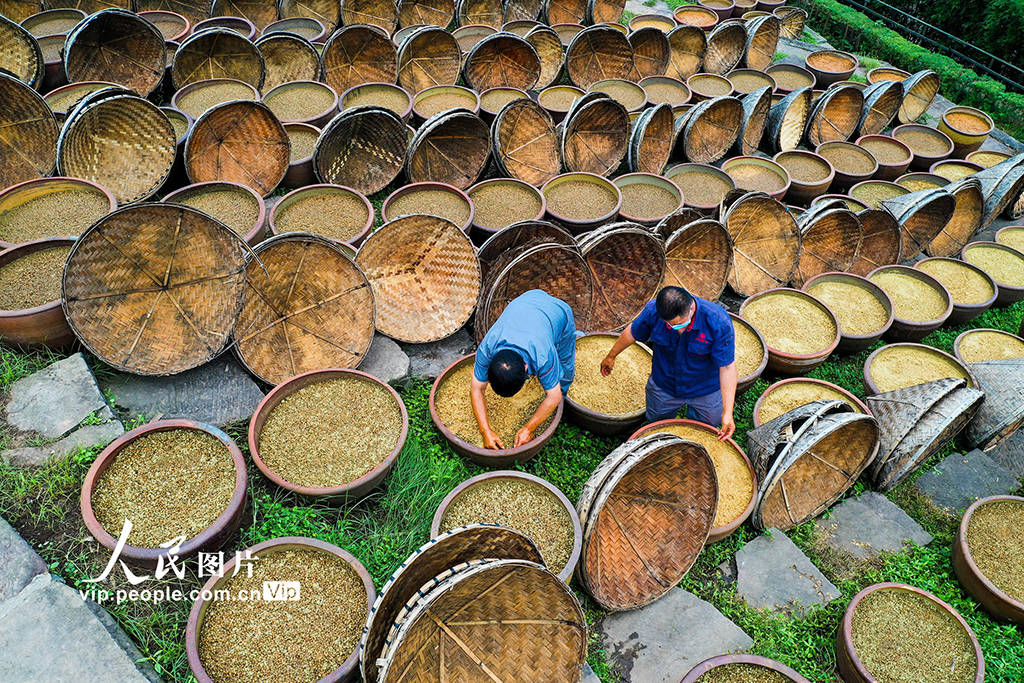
x=217 y=53
x=523 y=233
x=709 y=130
x=358 y=54
x=835 y=115
x=426 y=12
x=627 y=263
x=259 y=12
x=1002 y=411
x=787 y=121
x=20 y=10
x=380 y=13
x=525 y=143
x=29 y=140
x=604 y=11
x=598 y=53
x=650 y=143
x=881 y=244
x=122 y=142
x=565 y=11
x=428 y=56
x=881 y=104
x=725 y=48
x=118 y=46
x=327 y=12
x=921 y=216
x=451 y=147
x=756 y=106
x=762 y=39
x=698 y=256
x=20 y=55
x=595 y=135
x=307 y=307
x=154 y=289
x=791 y=21
x=502 y=60
x=425 y=277
x=918 y=92
x=830 y=238
x=522 y=11
x=1001 y=186
x=550 y=52
x=193 y=10
x=687 y=45
x=362 y=148
x=766 y=243
x=968 y=211
x=479 y=12
x=651 y=52
x=288 y=57
x=647 y=511
x=241 y=142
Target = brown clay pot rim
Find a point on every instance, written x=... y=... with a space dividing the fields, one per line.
x=725 y=529
x=191 y=545
x=690 y=8
x=914 y=272
x=1004 y=156
x=824 y=353
x=764 y=350
x=667 y=80
x=795 y=69
x=704 y=76
x=826 y=181
x=478 y=451
x=700 y=168
x=1007 y=229
x=853 y=147
x=959 y=337
x=604 y=417
x=404 y=115
x=872 y=388
x=756 y=415
x=653 y=16
x=997 y=245
x=188 y=119
x=931 y=131
x=226 y=21
x=867 y=284
x=658 y=180
x=461 y=88
x=520 y=183
x=261 y=219
x=306 y=84
x=567 y=177
x=886 y=69
x=557 y=87
x=18 y=187
x=929 y=176
x=428 y=185
x=297 y=193
x=499 y=87
x=272 y=28
x=13 y=254
x=961 y=109
x=209 y=83
x=889 y=140
x=876 y=181
x=832 y=51
x=846 y=630
x=762 y=162
x=973 y=165
x=577 y=527
x=193 y=625
x=70 y=87
x=285 y=389
x=45 y=14
x=745 y=71
x=983 y=306
x=167 y=13
x=965 y=549
x=841 y=197
x=722 y=660
x=310 y=126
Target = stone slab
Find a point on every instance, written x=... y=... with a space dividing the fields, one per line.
x=868 y=525
x=661 y=642
x=430 y=360
x=385 y=360
x=218 y=393
x=19 y=563
x=1009 y=454
x=588 y=675
x=772 y=573
x=962 y=478
x=55 y=399
x=49 y=633
x=84 y=437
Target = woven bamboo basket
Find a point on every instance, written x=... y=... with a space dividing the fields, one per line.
x=241 y=142
x=425 y=277
x=1001 y=186
x=708 y=130
x=917 y=421
x=146 y=309
x=726 y=46
x=362 y=148
x=766 y=243
x=20 y=10
x=848 y=341
x=451 y=147
x=479 y=12
x=921 y=216
x=604 y=11
x=327 y=12
x=426 y=12
x=650 y=142
x=217 y=53
x=792 y=21
x=835 y=115
x=379 y=13
x=551 y=54
x=260 y=14
x=1002 y=411
x=20 y=55
x=565 y=11
x=881 y=105
x=502 y=59
x=765 y=411
x=687 y=45
x=525 y=143
x=523 y=233
x=918 y=92
x=519 y=16
x=628 y=264
x=651 y=52
x=830 y=239
x=965 y=221
x=698 y=257
x=358 y=54
x=787 y=121
x=762 y=39
x=756 y=106
x=287 y=58
x=595 y=135
x=118 y=46
x=647 y=511
x=428 y=56
x=30 y=133
x=598 y=53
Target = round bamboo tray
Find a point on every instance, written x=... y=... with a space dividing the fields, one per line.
x=29 y=143
x=389 y=213
x=20 y=10
x=709 y=130
x=197 y=97
x=787 y=363
x=651 y=51
x=509 y=187
x=886 y=73
x=288 y=58
x=962 y=312
x=787 y=120
x=379 y=13
x=918 y=92
x=911 y=135
x=577 y=225
x=520 y=16
x=762 y=40
x=493 y=100
x=73 y=223
x=687 y=45
x=748 y=660
x=358 y=54
x=595 y=135
x=118 y=46
x=21 y=56
x=835 y=115
x=1006 y=293
x=502 y=60
x=209 y=539
x=830 y=66
x=196 y=617
x=1002 y=412
x=830 y=238
x=726 y=47
x=746 y=81
x=698 y=256
x=852 y=163
x=804 y=187
x=893 y=156
x=192 y=194
x=278 y=98
x=827 y=388
x=557 y=100
x=309 y=28
x=550 y=52
x=566 y=12
x=850 y=665
x=43 y=325
x=921 y=216
x=995 y=601
x=51 y=22
x=386 y=95
x=425 y=277
x=757 y=174
x=627 y=263
x=766 y=243
x=789 y=77
x=851 y=343
x=650 y=143
x=597 y=53
x=905 y=330
x=479 y=12
x=524 y=233
x=428 y=56
x=326 y=12
x=604 y=12
x=362 y=148
x=792 y=20
x=881 y=104
x=217 y=53
x=954 y=169
x=133 y=310
x=326 y=220
x=703 y=18
x=1002 y=185
x=452 y=147
x=756 y=107
x=968 y=212
x=525 y=143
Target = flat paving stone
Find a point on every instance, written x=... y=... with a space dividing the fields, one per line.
x=1009 y=454
x=55 y=399
x=84 y=437
x=868 y=525
x=588 y=675
x=962 y=478
x=661 y=642
x=385 y=360
x=772 y=573
x=19 y=563
x=49 y=633
x=639 y=7
x=431 y=359
x=220 y=393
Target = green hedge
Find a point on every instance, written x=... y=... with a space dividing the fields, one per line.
x=849 y=29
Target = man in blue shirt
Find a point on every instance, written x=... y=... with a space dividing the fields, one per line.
x=694 y=358
x=534 y=335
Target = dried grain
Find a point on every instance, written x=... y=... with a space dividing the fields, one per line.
x=647 y=201
x=742 y=673
x=748 y=82
x=953 y=171
x=494 y=100
x=65 y=101
x=702 y=189
x=711 y=86
x=874 y=193
x=981 y=345
x=300 y=102
x=972 y=124
x=443 y=203
x=234 y=207
x=196 y=102
x=830 y=61
x=965 y=285
x=791 y=322
x=580 y=200
x=1003 y=266
x=848 y=160
x=558 y=99
x=629 y=95
x=749 y=350
x=804 y=168
x=995 y=537
x=180 y=124
x=886 y=151
x=337 y=215
x=988 y=159
x=917 y=184
x=68 y=212
x=694 y=17
x=898 y=367
x=32 y=280
x=922 y=142
x=665 y=92
x=389 y=98
x=858 y=311
x=435 y=104
x=912 y=299
x=1013 y=237
x=622 y=392
x=782 y=398
x=303 y=143
x=755 y=178
x=790 y=80
x=499 y=205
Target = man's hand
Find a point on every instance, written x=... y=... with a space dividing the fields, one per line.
x=727 y=428
x=607 y=365
x=524 y=436
x=492 y=440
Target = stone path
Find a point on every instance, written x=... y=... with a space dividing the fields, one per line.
x=385 y=360
x=772 y=573
x=868 y=525
x=962 y=478
x=430 y=360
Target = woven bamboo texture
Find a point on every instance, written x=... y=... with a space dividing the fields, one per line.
x=380 y=13
x=766 y=244
x=787 y=120
x=20 y=10
x=762 y=39
x=687 y=45
x=217 y=53
x=650 y=143
x=124 y=143
x=362 y=148
x=429 y=56
x=288 y=57
x=881 y=244
x=485 y=12
x=327 y=12
x=672 y=222
x=604 y=11
x=597 y=53
x=709 y=130
x=259 y=12
x=499 y=620
x=89 y=6
x=452 y=147
x=698 y=257
x=1001 y=185
x=1002 y=411
x=550 y=52
x=881 y=104
x=651 y=52
x=193 y=10
x=726 y=47
x=835 y=115
x=627 y=265
x=830 y=239
x=502 y=60
x=154 y=289
x=20 y=55
x=119 y=47
x=425 y=277
x=918 y=92
x=766 y=443
x=756 y=106
x=525 y=143
x=241 y=142
x=566 y=11
x=595 y=136
x=522 y=10
x=306 y=307
x=523 y=233
x=792 y=22
x=921 y=216
x=28 y=133
x=425 y=12
x=359 y=54
x=449 y=550
x=648 y=520
x=968 y=212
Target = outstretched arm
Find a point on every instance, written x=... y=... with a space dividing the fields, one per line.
x=543 y=412
x=727 y=378
x=624 y=341
x=476 y=395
